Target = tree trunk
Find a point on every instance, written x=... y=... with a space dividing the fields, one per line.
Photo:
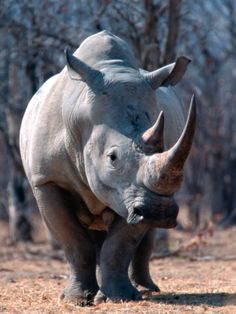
x=173 y=31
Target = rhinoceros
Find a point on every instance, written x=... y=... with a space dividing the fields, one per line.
x=103 y=165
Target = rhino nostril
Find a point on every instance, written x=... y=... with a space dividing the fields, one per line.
x=138 y=211
x=135 y=216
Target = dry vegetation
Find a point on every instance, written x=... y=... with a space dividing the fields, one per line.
x=199 y=278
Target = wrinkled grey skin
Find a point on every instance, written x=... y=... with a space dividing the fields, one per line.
x=79 y=144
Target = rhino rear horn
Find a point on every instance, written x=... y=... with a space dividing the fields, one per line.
x=170 y=74
x=153 y=138
x=79 y=70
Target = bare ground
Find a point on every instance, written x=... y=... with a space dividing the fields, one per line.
x=199 y=278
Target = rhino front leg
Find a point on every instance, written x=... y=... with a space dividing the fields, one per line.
x=57 y=208
x=116 y=254
x=139 y=267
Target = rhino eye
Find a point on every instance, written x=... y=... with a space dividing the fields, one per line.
x=112 y=157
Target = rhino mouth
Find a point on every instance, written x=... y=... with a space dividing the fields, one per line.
x=154 y=216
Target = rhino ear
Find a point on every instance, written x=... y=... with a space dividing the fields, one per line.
x=170 y=74
x=80 y=71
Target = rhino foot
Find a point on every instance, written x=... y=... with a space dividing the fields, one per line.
x=147 y=286
x=76 y=295
x=99 y=298
x=128 y=293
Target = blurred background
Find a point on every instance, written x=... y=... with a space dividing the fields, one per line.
x=33 y=36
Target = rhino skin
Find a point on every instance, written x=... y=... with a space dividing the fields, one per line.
x=104 y=165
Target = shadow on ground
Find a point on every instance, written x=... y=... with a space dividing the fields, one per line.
x=212 y=299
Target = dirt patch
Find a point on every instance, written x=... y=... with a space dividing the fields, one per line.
x=200 y=278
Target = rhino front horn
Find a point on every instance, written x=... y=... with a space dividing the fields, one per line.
x=163 y=171
x=178 y=154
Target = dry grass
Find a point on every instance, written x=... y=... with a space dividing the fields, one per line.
x=202 y=280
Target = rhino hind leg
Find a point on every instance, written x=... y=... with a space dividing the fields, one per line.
x=116 y=254
x=56 y=207
x=139 y=268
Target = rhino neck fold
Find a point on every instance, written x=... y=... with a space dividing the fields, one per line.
x=115 y=65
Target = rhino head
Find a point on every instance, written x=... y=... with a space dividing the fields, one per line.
x=117 y=127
